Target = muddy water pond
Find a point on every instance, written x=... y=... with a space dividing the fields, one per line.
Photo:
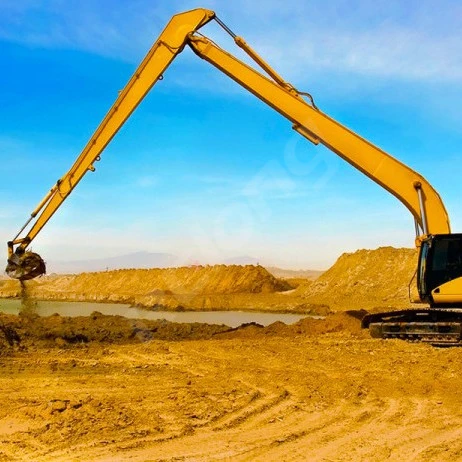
x=229 y=318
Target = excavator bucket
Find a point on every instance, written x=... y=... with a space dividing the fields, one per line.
x=26 y=266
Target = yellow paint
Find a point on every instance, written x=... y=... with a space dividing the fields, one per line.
x=449 y=292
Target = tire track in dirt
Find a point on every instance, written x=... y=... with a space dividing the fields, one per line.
x=377 y=439
x=232 y=443
x=446 y=446
x=259 y=407
x=351 y=430
x=297 y=438
x=420 y=439
x=342 y=430
x=250 y=399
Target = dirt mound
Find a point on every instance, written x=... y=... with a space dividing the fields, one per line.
x=218 y=279
x=168 y=287
x=26 y=330
x=334 y=323
x=365 y=279
x=60 y=331
x=342 y=323
x=294 y=274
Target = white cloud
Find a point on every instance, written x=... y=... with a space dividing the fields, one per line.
x=389 y=52
x=411 y=40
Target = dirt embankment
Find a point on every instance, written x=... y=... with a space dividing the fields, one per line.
x=196 y=280
x=294 y=274
x=189 y=288
x=29 y=330
x=369 y=279
x=365 y=279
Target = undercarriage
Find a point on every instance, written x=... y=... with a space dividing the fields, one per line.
x=438 y=326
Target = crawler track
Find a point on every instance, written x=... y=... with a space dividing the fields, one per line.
x=435 y=326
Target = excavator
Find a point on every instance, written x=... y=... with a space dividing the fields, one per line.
x=439 y=269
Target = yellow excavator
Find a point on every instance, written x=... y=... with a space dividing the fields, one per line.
x=439 y=272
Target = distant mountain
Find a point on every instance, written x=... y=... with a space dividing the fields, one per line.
x=131 y=260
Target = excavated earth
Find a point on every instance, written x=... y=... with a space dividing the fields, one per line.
x=106 y=388
x=366 y=279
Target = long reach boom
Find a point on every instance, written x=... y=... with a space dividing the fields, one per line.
x=408 y=186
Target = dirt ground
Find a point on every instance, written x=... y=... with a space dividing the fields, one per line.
x=109 y=389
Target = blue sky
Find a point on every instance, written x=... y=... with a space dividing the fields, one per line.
x=203 y=169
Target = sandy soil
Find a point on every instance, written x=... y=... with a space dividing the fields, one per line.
x=150 y=391
x=105 y=388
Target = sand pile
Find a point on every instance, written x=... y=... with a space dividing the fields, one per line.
x=294 y=274
x=195 y=287
x=365 y=279
x=218 y=279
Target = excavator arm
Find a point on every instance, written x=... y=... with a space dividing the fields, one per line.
x=404 y=183
x=28 y=265
x=408 y=186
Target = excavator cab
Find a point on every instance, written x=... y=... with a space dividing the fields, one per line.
x=440 y=266
x=439 y=280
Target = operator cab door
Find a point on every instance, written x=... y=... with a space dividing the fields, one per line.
x=440 y=261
